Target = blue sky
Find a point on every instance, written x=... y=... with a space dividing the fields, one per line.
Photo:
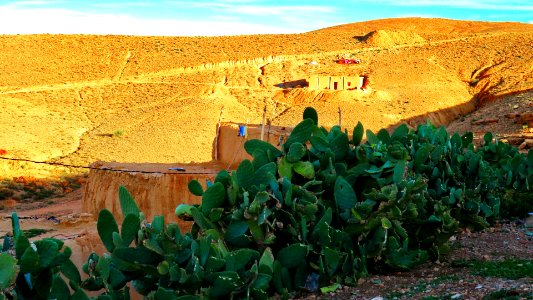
x=231 y=17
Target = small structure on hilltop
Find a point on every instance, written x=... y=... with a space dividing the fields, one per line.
x=326 y=82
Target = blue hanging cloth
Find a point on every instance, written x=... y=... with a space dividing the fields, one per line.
x=242 y=130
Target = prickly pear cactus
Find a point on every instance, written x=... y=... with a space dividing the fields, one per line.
x=323 y=209
x=37 y=270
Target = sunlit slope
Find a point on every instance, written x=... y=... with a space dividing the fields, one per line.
x=67 y=96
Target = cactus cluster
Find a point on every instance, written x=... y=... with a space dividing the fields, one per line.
x=37 y=270
x=322 y=210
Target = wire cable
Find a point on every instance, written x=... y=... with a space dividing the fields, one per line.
x=177 y=171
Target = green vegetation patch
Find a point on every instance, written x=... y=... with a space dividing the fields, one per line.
x=32 y=232
x=509 y=268
x=118 y=133
x=508 y=295
x=28 y=189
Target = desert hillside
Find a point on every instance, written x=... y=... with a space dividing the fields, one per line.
x=79 y=98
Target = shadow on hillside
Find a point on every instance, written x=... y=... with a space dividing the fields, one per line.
x=361 y=38
x=440 y=117
x=30 y=192
x=445 y=116
x=300 y=83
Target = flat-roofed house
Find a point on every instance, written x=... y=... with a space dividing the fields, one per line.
x=335 y=83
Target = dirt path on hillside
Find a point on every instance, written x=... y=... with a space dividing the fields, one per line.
x=150 y=76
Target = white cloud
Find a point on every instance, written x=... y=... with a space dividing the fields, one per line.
x=281 y=10
x=237 y=1
x=413 y=15
x=236 y=6
x=35 y=3
x=119 y=5
x=204 y=4
x=63 y=21
x=503 y=15
x=224 y=18
x=295 y=18
x=518 y=5
x=216 y=17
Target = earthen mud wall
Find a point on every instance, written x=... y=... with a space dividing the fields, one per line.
x=230 y=148
x=158 y=190
x=155 y=193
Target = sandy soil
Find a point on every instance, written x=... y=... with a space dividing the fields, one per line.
x=79 y=98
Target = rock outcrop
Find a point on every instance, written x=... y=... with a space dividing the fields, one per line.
x=386 y=38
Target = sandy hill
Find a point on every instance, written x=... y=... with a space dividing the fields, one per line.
x=387 y=39
x=81 y=98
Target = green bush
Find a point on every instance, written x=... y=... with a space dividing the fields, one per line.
x=323 y=209
x=5 y=193
x=118 y=133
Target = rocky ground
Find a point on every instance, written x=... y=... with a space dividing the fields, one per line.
x=465 y=273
